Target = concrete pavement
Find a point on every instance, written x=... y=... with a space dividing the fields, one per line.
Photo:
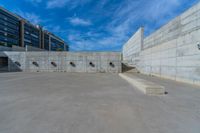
x=94 y=103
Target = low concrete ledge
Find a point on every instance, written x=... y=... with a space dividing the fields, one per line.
x=145 y=86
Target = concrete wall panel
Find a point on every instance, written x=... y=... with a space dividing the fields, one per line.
x=172 y=51
x=91 y=62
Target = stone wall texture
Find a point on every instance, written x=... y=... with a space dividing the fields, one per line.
x=91 y=62
x=171 y=52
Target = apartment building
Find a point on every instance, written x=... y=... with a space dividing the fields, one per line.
x=15 y=30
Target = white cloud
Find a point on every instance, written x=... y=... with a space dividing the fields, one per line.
x=55 y=29
x=30 y=16
x=34 y=1
x=130 y=12
x=80 y=41
x=57 y=3
x=161 y=8
x=78 y=21
x=62 y=3
x=90 y=41
x=125 y=20
x=126 y=16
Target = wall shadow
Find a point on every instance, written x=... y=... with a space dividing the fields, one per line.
x=126 y=68
x=8 y=65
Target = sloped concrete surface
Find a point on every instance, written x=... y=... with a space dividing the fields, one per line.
x=93 y=103
x=149 y=88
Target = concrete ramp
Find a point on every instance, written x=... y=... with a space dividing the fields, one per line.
x=145 y=86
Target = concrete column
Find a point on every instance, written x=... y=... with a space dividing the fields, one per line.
x=49 y=42
x=40 y=38
x=22 y=33
x=65 y=47
x=142 y=38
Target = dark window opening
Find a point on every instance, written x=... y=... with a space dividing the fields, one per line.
x=3 y=63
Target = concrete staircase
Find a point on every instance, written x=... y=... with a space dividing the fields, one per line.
x=129 y=68
x=129 y=73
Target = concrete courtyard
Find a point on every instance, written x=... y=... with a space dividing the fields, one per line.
x=94 y=103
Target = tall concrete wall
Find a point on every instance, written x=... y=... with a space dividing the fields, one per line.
x=173 y=50
x=130 y=51
x=64 y=61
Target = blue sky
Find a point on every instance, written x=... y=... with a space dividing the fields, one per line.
x=98 y=25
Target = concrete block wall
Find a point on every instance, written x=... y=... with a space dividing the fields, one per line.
x=3 y=48
x=172 y=51
x=16 y=61
x=93 y=62
x=168 y=32
x=131 y=52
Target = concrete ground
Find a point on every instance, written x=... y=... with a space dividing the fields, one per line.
x=94 y=103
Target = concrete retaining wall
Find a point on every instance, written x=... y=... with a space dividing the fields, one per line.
x=13 y=48
x=64 y=61
x=131 y=52
x=173 y=51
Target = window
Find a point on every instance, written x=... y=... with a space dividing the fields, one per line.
x=3 y=62
x=2 y=43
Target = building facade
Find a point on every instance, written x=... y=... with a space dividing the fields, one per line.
x=52 y=43
x=15 y=30
x=9 y=29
